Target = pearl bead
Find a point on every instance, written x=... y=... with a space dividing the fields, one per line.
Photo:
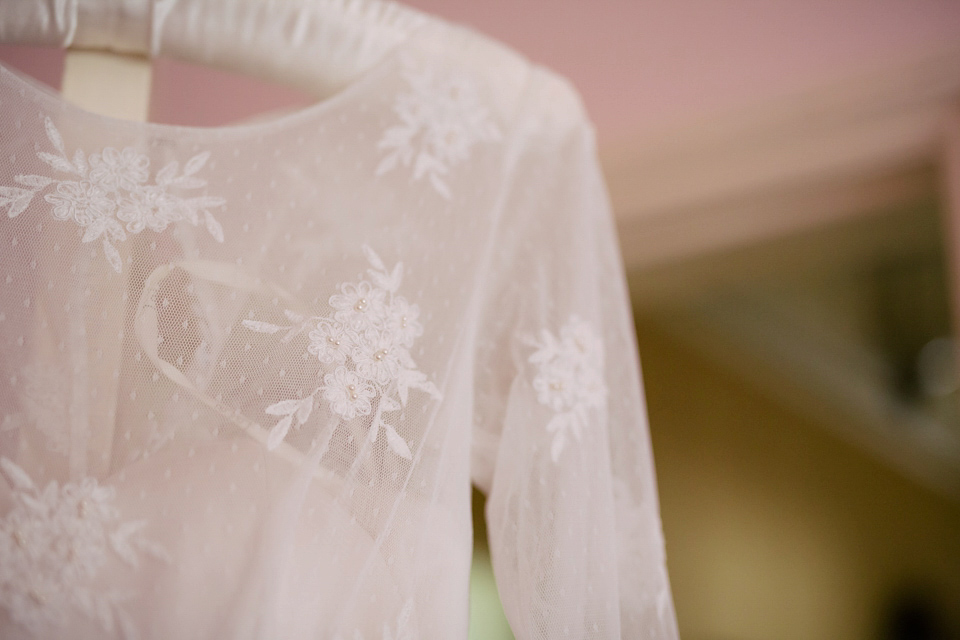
x=361 y=304
x=83 y=508
x=380 y=355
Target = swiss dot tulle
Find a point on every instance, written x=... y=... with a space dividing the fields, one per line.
x=247 y=375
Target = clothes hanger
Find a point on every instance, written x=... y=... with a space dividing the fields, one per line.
x=318 y=46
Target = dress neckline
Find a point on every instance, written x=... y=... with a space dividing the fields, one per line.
x=54 y=102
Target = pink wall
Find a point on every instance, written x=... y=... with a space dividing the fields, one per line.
x=641 y=65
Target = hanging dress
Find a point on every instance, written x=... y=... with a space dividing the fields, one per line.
x=248 y=373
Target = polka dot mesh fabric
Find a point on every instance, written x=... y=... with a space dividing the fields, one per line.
x=248 y=374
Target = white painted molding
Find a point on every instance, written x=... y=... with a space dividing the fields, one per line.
x=756 y=217
x=740 y=176
x=819 y=251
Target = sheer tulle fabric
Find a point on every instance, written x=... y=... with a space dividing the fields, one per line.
x=248 y=374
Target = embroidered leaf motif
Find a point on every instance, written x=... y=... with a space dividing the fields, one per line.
x=279 y=432
x=120 y=540
x=299 y=408
x=113 y=256
x=293 y=316
x=15 y=199
x=397 y=444
x=390 y=282
x=262 y=327
x=188 y=182
x=54 y=136
x=428 y=165
x=304 y=409
x=80 y=162
x=283 y=408
x=37 y=182
x=57 y=162
x=102 y=226
x=413 y=379
x=373 y=258
x=440 y=186
x=213 y=226
x=556 y=447
x=166 y=175
x=16 y=476
x=388 y=164
x=204 y=202
x=196 y=163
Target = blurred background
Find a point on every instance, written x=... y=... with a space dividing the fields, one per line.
x=786 y=180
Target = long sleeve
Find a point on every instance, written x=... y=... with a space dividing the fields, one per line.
x=561 y=442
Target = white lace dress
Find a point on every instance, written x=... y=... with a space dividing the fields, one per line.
x=247 y=374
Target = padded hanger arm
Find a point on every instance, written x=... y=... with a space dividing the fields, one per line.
x=315 y=45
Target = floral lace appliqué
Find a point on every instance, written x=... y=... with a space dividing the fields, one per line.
x=441 y=119
x=363 y=348
x=569 y=379
x=53 y=544
x=108 y=195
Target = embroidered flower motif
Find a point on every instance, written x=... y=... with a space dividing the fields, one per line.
x=359 y=306
x=119 y=169
x=331 y=341
x=569 y=379
x=368 y=337
x=380 y=356
x=441 y=119
x=111 y=183
x=148 y=207
x=54 y=543
x=348 y=394
x=82 y=202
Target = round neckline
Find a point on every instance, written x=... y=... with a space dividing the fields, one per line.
x=57 y=103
